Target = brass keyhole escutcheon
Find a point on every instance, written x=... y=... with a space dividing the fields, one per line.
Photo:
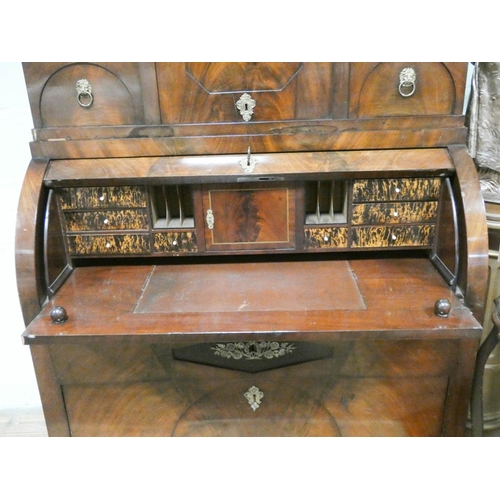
x=246 y=105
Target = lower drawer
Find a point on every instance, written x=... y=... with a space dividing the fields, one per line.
x=260 y=406
x=108 y=244
x=362 y=388
x=393 y=236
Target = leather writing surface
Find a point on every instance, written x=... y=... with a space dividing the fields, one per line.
x=268 y=286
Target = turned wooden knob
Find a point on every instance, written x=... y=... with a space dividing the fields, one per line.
x=442 y=308
x=58 y=315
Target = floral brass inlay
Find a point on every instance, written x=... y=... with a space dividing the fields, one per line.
x=253 y=350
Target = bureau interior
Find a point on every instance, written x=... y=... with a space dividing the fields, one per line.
x=158 y=218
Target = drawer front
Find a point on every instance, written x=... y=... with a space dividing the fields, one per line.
x=371 y=388
x=392 y=236
x=406 y=89
x=103 y=197
x=175 y=242
x=326 y=238
x=404 y=189
x=218 y=92
x=123 y=244
x=394 y=213
x=107 y=220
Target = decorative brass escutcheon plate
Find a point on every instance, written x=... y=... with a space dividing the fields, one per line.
x=245 y=105
x=254 y=396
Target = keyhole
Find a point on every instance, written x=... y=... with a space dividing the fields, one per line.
x=246 y=107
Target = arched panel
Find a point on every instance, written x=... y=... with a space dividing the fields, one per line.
x=104 y=99
x=402 y=89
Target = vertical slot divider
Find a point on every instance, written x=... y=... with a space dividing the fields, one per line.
x=332 y=213
x=181 y=208
x=167 y=209
x=318 y=210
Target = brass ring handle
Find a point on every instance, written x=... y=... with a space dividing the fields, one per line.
x=407 y=82
x=84 y=93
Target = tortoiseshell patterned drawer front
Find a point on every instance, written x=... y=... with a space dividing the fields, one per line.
x=116 y=244
x=396 y=189
x=325 y=237
x=394 y=213
x=175 y=242
x=392 y=236
x=102 y=197
x=108 y=220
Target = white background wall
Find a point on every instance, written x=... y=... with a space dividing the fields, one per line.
x=17 y=379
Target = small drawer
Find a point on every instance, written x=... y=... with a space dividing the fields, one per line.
x=107 y=220
x=392 y=236
x=405 y=189
x=175 y=242
x=122 y=244
x=325 y=237
x=394 y=213
x=103 y=197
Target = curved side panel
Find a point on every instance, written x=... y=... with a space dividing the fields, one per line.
x=473 y=233
x=29 y=266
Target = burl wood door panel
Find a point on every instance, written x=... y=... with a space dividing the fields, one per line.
x=208 y=92
x=249 y=218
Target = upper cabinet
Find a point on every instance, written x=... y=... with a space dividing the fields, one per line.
x=193 y=108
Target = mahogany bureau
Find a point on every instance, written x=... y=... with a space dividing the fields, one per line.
x=251 y=249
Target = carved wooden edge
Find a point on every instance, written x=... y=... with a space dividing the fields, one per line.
x=295 y=141
x=29 y=240
x=50 y=392
x=459 y=389
x=473 y=232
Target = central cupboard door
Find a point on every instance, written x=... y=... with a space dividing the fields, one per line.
x=249 y=217
x=218 y=92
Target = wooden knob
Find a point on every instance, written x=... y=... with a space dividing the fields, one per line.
x=442 y=308
x=58 y=315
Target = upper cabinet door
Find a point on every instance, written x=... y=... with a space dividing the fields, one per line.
x=406 y=89
x=84 y=94
x=216 y=92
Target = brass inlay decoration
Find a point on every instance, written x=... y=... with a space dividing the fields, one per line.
x=253 y=350
x=254 y=396
x=245 y=106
